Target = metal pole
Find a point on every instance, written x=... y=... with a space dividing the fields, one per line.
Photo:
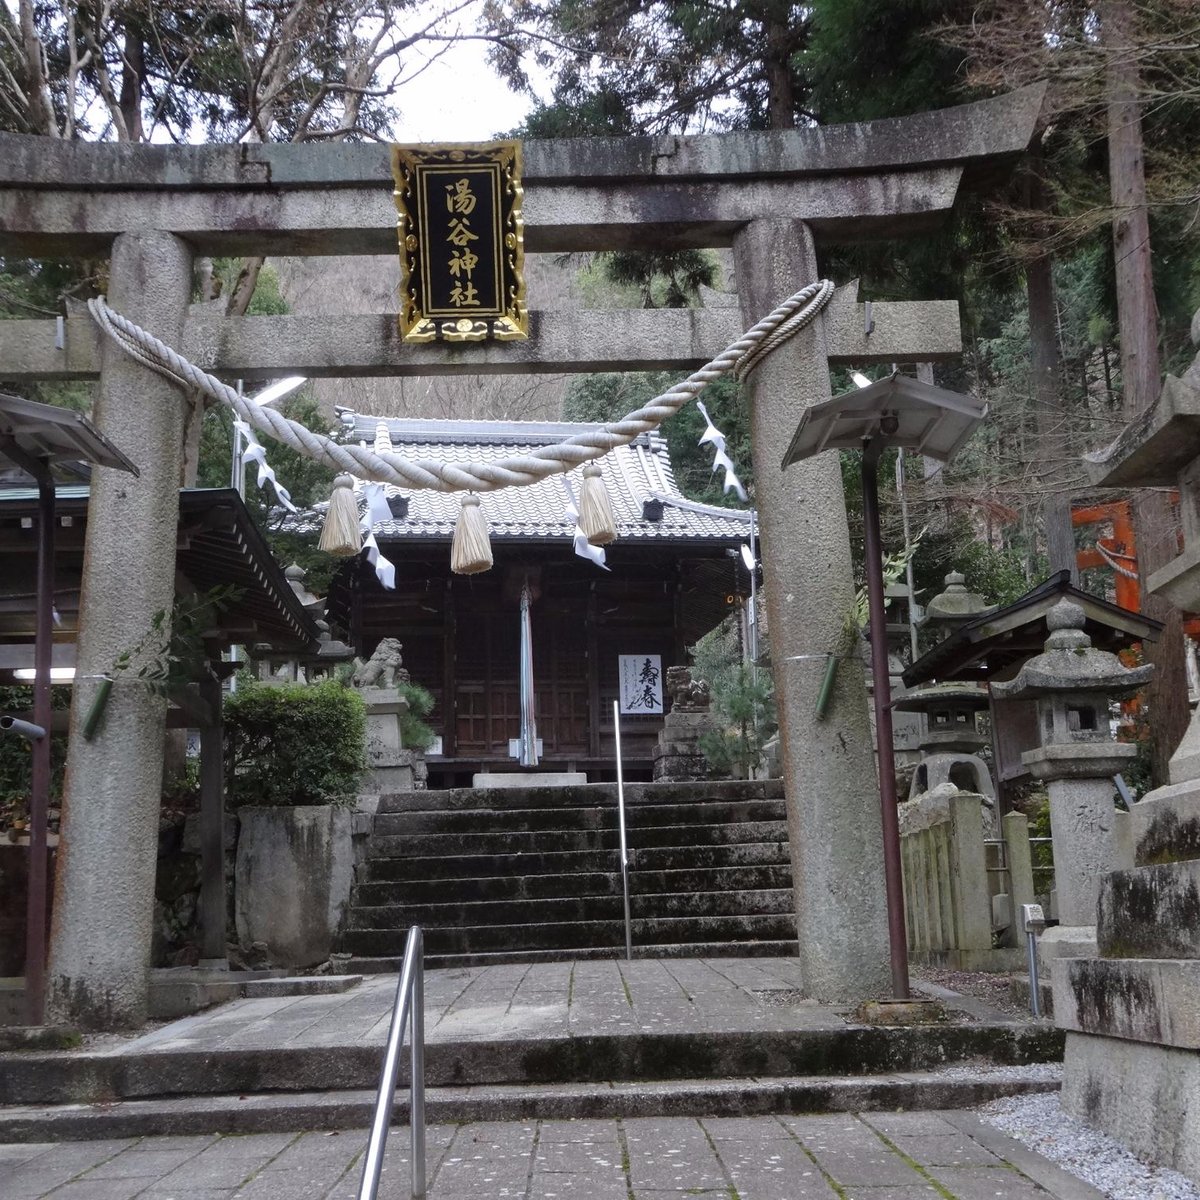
x=39 y=796
x=416 y=1091
x=368 y=1188
x=237 y=465
x=901 y=488
x=753 y=598
x=1035 y=999
x=621 y=826
x=893 y=878
x=237 y=470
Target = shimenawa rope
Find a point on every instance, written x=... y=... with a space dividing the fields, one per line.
x=541 y=462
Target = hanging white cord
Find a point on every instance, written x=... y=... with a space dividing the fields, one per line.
x=541 y=462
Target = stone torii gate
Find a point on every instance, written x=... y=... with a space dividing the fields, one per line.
x=775 y=198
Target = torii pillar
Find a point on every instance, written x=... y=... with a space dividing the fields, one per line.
x=104 y=880
x=829 y=776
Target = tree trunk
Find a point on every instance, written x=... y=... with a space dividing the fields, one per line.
x=1137 y=314
x=1046 y=375
x=134 y=65
x=781 y=98
x=41 y=104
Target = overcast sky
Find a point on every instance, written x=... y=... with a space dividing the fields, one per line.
x=458 y=98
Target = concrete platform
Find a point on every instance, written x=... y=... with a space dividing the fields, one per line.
x=600 y=1024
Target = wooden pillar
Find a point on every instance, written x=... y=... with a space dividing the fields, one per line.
x=104 y=886
x=593 y=656
x=212 y=830
x=828 y=765
x=449 y=698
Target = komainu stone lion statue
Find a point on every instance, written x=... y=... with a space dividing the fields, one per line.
x=385 y=668
x=687 y=694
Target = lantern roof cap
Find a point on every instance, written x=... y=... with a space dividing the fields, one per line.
x=1071 y=664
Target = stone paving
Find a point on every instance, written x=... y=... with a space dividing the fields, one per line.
x=874 y=1156
x=543 y=1000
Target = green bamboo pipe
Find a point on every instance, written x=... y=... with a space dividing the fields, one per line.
x=96 y=711
x=826 y=693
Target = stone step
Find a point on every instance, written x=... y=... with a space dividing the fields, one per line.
x=759 y=949
x=233 y=1113
x=638 y=794
x=563 y=935
x=105 y=1076
x=644 y=905
x=1150 y=912
x=583 y=883
x=459 y=866
x=419 y=845
x=568 y=817
x=1139 y=999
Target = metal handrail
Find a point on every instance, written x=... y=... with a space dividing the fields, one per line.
x=410 y=999
x=621 y=830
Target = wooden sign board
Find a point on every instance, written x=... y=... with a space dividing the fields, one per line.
x=640 y=683
x=461 y=242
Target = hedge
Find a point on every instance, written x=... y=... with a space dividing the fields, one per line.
x=298 y=744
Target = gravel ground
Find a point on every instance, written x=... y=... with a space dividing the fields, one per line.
x=989 y=986
x=1047 y=1072
x=1040 y=1123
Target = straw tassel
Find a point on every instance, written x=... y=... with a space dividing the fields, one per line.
x=471 y=551
x=595 y=512
x=340 y=534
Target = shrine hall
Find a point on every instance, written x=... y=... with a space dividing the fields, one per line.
x=597 y=630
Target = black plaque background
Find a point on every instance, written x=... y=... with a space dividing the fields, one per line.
x=433 y=221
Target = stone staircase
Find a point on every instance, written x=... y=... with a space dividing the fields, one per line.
x=507 y=875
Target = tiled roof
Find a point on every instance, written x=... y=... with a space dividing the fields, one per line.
x=638 y=479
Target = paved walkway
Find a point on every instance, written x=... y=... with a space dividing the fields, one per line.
x=519 y=1001
x=897 y=1156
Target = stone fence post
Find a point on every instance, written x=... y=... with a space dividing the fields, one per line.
x=946 y=897
x=1019 y=857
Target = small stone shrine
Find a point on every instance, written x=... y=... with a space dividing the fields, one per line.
x=392 y=768
x=1072 y=683
x=678 y=757
x=1132 y=1061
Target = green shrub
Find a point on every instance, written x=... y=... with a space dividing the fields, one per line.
x=293 y=745
x=415 y=734
x=16 y=758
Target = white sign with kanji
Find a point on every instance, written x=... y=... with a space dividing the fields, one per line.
x=640 y=683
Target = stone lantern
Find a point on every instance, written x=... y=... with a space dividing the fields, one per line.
x=951 y=740
x=1072 y=683
x=955 y=607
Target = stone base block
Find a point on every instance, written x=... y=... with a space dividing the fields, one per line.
x=389 y=779
x=1153 y=1000
x=171 y=999
x=294 y=870
x=300 y=985
x=679 y=768
x=1066 y=941
x=1018 y=991
x=900 y=1012
x=1166 y=825
x=527 y=779
x=1151 y=912
x=1147 y=1097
